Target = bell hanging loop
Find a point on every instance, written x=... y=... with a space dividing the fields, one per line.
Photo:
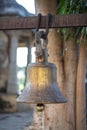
x=38 y=22
x=48 y=19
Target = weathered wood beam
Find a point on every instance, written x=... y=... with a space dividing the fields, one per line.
x=57 y=21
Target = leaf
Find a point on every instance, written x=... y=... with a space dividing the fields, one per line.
x=73 y=7
x=62 y=7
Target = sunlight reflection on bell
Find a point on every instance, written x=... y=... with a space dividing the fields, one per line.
x=41 y=85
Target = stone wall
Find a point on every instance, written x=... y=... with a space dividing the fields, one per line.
x=7 y=103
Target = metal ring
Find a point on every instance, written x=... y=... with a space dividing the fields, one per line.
x=48 y=23
x=38 y=21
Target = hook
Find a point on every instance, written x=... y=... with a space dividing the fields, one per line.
x=48 y=18
x=38 y=22
x=44 y=34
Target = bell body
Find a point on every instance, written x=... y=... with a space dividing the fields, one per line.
x=41 y=85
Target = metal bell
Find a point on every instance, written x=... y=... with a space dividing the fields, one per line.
x=41 y=85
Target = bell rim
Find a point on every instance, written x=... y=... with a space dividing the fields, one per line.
x=32 y=102
x=42 y=64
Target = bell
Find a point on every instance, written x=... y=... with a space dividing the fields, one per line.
x=41 y=85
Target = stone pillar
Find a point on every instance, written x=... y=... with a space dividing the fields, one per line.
x=12 y=76
x=29 y=54
x=3 y=62
x=30 y=45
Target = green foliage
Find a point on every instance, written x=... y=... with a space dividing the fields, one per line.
x=62 y=7
x=21 y=78
x=21 y=68
x=73 y=7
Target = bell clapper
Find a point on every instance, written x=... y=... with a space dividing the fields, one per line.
x=40 y=111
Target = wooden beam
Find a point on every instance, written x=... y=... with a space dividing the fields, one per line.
x=57 y=21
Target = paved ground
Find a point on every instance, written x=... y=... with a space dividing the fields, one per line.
x=15 y=121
